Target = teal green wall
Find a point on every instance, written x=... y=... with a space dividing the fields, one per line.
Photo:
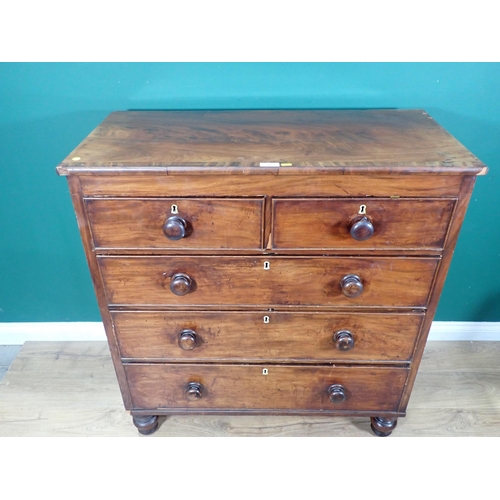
x=47 y=109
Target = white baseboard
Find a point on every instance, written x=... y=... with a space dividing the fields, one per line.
x=18 y=333
x=464 y=330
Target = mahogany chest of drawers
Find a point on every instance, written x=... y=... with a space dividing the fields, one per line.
x=269 y=262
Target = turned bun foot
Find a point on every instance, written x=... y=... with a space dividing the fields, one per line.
x=383 y=426
x=146 y=424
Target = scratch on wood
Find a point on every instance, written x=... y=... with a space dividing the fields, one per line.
x=340 y=187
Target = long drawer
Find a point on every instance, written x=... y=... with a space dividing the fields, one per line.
x=194 y=387
x=396 y=224
x=279 y=337
x=140 y=223
x=268 y=281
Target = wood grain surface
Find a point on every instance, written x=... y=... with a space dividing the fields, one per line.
x=353 y=141
x=285 y=337
x=309 y=176
x=325 y=223
x=70 y=389
x=261 y=184
x=100 y=293
x=283 y=388
x=437 y=287
x=313 y=281
x=211 y=224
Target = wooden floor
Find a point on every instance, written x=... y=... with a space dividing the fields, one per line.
x=70 y=389
x=7 y=355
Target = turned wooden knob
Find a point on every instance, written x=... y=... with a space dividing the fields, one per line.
x=344 y=341
x=336 y=393
x=187 y=340
x=175 y=228
x=194 y=391
x=361 y=229
x=351 y=286
x=180 y=284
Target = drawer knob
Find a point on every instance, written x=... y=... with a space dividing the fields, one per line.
x=175 y=228
x=180 y=284
x=344 y=341
x=187 y=340
x=194 y=391
x=361 y=229
x=336 y=393
x=351 y=285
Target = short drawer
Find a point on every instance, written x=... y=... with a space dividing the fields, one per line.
x=361 y=223
x=194 y=387
x=281 y=337
x=285 y=281
x=176 y=223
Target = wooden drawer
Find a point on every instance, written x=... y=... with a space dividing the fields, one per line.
x=138 y=223
x=245 y=386
x=266 y=336
x=289 y=281
x=324 y=224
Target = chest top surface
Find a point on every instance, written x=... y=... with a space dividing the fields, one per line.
x=284 y=142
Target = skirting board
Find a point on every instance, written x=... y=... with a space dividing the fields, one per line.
x=18 y=333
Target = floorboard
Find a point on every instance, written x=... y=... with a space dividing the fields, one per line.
x=70 y=389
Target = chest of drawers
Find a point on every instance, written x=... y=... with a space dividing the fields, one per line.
x=269 y=262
